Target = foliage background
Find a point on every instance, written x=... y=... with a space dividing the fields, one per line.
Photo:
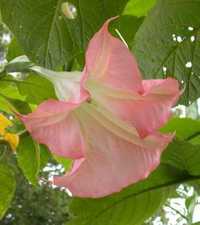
x=164 y=36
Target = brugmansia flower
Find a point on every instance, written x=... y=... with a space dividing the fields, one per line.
x=12 y=139
x=106 y=119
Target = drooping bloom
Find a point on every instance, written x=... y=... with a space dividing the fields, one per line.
x=106 y=119
x=12 y=139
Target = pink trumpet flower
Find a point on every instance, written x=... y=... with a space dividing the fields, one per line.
x=106 y=119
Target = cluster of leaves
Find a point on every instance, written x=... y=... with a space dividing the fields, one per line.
x=37 y=205
x=164 y=36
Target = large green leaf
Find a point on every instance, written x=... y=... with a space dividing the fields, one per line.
x=47 y=36
x=36 y=89
x=127 y=27
x=66 y=163
x=43 y=36
x=7 y=188
x=184 y=156
x=28 y=157
x=15 y=105
x=10 y=97
x=14 y=50
x=45 y=156
x=184 y=153
x=10 y=90
x=32 y=158
x=169 y=39
x=139 y=7
x=91 y=15
x=185 y=128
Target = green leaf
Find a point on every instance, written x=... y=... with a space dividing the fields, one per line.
x=28 y=157
x=139 y=7
x=14 y=50
x=16 y=128
x=66 y=163
x=7 y=188
x=10 y=89
x=88 y=22
x=47 y=36
x=184 y=156
x=127 y=27
x=19 y=64
x=9 y=104
x=3 y=84
x=36 y=89
x=185 y=128
x=43 y=36
x=183 y=153
x=169 y=37
x=45 y=156
x=16 y=104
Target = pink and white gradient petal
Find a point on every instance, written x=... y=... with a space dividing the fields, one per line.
x=109 y=123
x=110 y=62
x=146 y=112
x=54 y=125
x=111 y=163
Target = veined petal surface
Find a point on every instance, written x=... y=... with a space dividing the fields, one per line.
x=148 y=111
x=55 y=125
x=111 y=162
x=112 y=78
x=110 y=62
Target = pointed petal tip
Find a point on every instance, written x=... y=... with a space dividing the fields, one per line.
x=109 y=62
x=51 y=116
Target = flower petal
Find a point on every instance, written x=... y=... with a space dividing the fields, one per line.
x=111 y=162
x=113 y=79
x=54 y=125
x=110 y=62
x=146 y=112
